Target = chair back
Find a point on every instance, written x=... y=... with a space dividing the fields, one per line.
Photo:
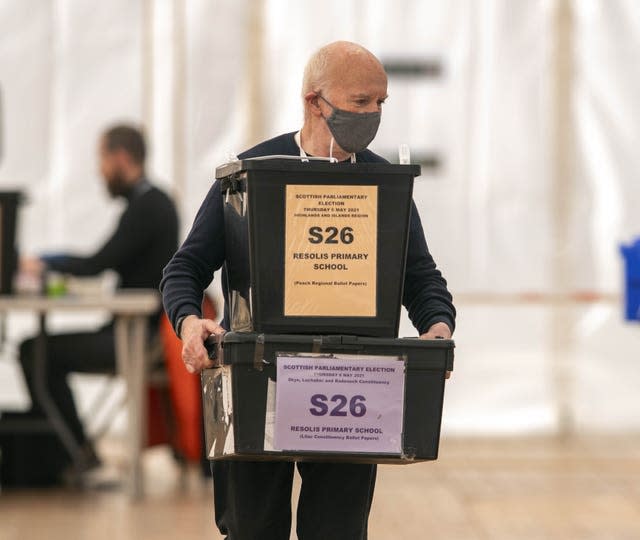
x=184 y=389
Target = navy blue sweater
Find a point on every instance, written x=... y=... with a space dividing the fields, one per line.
x=191 y=270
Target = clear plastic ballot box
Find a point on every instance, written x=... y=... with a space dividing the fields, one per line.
x=331 y=397
x=316 y=247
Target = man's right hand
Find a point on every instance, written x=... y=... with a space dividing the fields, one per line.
x=193 y=333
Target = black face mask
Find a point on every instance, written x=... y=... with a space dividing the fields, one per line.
x=352 y=131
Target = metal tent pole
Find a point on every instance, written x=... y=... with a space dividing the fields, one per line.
x=562 y=315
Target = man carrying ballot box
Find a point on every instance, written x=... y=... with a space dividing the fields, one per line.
x=343 y=90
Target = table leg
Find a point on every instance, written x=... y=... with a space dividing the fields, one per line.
x=131 y=340
x=127 y=362
x=138 y=402
x=121 y=329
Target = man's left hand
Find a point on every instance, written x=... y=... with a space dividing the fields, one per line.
x=31 y=266
x=439 y=330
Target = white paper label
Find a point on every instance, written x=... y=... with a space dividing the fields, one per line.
x=342 y=403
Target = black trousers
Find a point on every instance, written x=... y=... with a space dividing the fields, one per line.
x=253 y=500
x=89 y=352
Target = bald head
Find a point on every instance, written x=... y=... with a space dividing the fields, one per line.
x=341 y=78
x=340 y=62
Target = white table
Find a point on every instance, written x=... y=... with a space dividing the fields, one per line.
x=130 y=309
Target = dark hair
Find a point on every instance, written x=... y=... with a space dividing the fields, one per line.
x=129 y=139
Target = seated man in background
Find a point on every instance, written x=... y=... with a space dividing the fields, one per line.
x=143 y=242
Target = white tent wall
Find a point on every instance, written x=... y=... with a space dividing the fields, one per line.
x=209 y=79
x=26 y=105
x=83 y=62
x=604 y=212
x=216 y=92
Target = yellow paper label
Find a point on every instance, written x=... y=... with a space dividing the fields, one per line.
x=331 y=251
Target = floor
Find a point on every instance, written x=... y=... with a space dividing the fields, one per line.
x=497 y=489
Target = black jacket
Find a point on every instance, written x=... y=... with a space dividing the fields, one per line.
x=144 y=240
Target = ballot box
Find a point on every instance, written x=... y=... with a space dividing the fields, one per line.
x=9 y=203
x=314 y=247
x=325 y=398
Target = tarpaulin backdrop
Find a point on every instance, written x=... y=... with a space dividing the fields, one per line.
x=208 y=79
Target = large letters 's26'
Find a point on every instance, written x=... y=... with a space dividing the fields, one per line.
x=335 y=235
x=320 y=407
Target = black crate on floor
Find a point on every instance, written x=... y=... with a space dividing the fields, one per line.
x=241 y=397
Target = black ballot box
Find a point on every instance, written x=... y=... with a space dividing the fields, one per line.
x=313 y=247
x=9 y=204
x=330 y=397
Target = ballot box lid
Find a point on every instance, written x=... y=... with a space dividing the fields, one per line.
x=311 y=165
x=421 y=353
